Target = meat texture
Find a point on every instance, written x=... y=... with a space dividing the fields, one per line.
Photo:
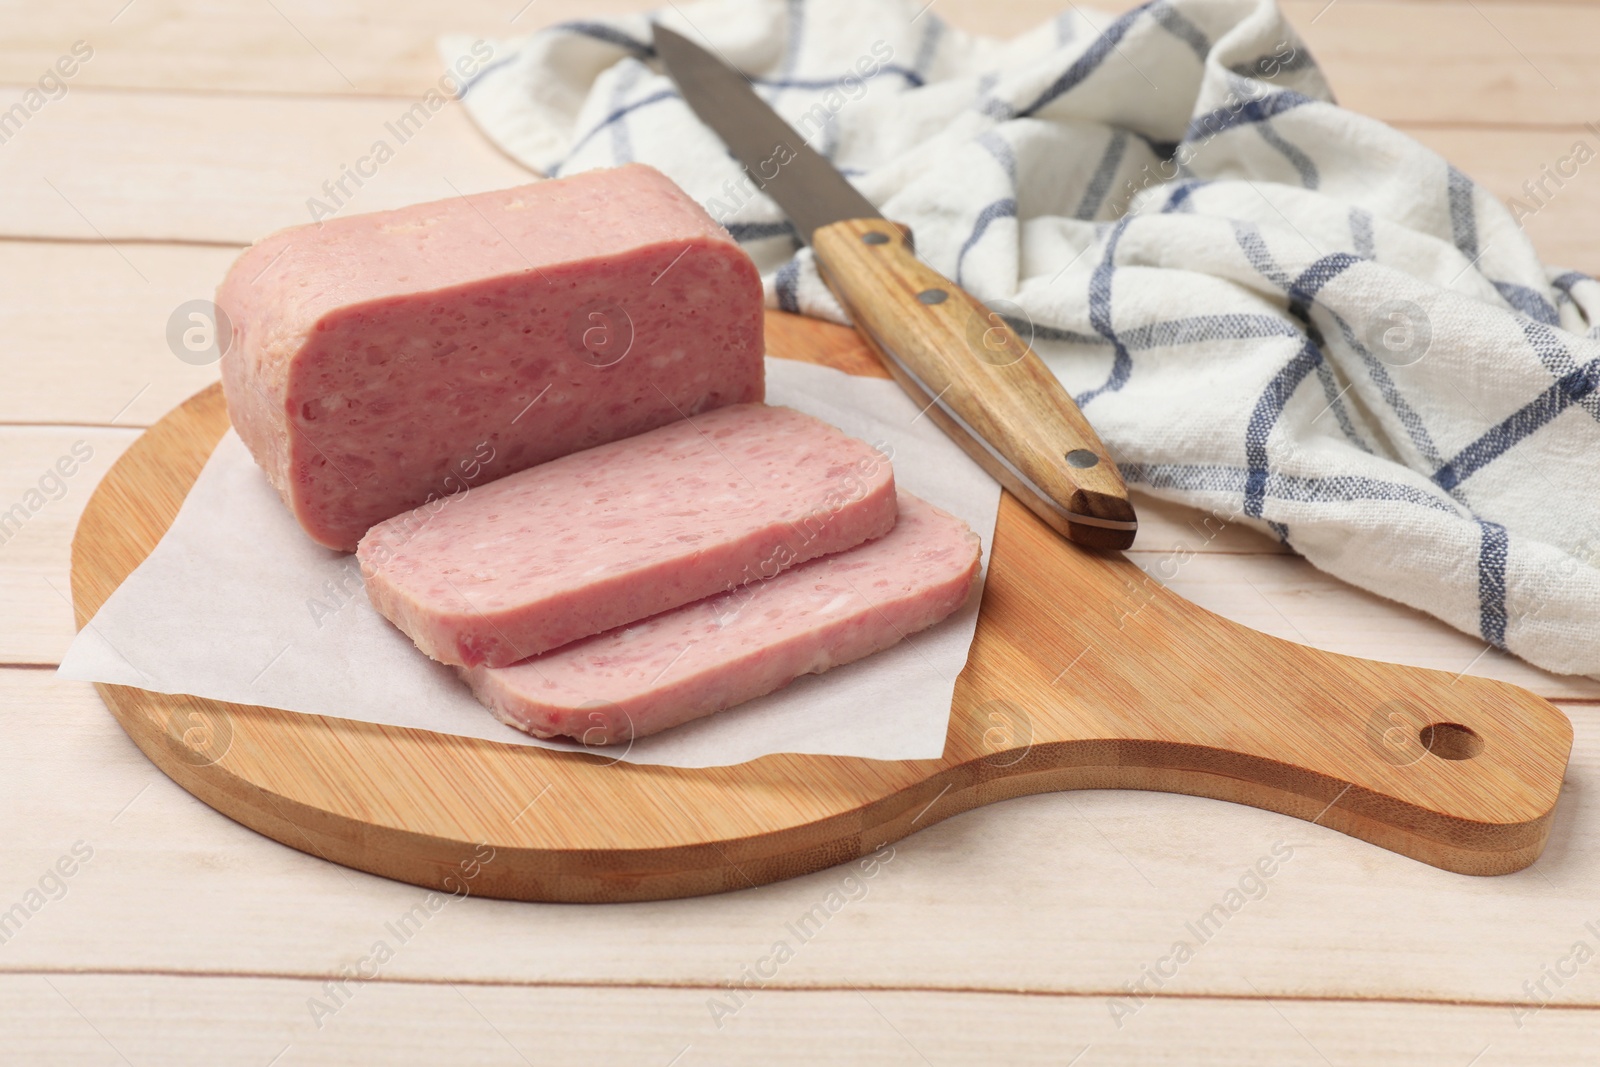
x=716 y=653
x=617 y=533
x=381 y=361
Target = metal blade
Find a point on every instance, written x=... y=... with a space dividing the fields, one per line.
x=808 y=188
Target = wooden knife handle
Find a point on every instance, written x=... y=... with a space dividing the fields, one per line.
x=977 y=380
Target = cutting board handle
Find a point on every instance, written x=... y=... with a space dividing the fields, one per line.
x=1460 y=772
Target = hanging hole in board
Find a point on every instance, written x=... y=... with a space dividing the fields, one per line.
x=1450 y=740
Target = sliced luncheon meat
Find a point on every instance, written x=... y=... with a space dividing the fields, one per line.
x=614 y=534
x=719 y=652
x=381 y=361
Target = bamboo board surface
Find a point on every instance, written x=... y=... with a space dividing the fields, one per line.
x=1083 y=674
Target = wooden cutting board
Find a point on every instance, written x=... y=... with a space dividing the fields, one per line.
x=1085 y=674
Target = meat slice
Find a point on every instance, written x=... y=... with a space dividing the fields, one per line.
x=617 y=533
x=719 y=652
x=381 y=361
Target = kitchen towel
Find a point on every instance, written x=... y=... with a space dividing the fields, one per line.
x=1270 y=307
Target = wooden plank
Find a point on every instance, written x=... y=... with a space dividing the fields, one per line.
x=345 y=48
x=287 y=47
x=1560 y=219
x=1427 y=61
x=89 y=337
x=1198 y=557
x=1401 y=60
x=86 y=336
x=39 y=508
x=1094 y=887
x=121 y=166
x=91 y=1018
x=1238 y=573
x=156 y=166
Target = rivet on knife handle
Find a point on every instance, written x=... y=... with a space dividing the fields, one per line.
x=980 y=382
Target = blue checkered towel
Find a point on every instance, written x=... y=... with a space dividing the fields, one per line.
x=1269 y=307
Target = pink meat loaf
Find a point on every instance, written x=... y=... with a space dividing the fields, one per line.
x=719 y=652
x=606 y=537
x=380 y=361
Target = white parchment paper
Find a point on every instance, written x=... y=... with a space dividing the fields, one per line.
x=237 y=604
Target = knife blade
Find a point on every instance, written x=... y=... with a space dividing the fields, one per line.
x=962 y=363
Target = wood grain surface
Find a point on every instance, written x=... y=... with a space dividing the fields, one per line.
x=1083 y=674
x=1005 y=934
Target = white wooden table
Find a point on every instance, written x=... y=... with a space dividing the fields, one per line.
x=1001 y=936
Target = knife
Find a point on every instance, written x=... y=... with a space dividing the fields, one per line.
x=962 y=363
